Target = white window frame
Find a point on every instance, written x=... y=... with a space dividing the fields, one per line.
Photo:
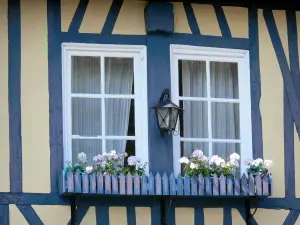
x=184 y=52
x=138 y=53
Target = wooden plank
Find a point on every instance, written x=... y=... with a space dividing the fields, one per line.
x=237 y=186
x=229 y=181
x=151 y=189
x=179 y=185
x=144 y=184
x=208 y=189
x=129 y=185
x=172 y=181
x=201 y=185
x=265 y=185
x=251 y=185
x=122 y=184
x=165 y=183
x=115 y=184
x=85 y=183
x=77 y=181
x=100 y=183
x=187 y=185
x=215 y=185
x=194 y=186
x=70 y=182
x=107 y=184
x=222 y=185
x=93 y=186
x=244 y=185
x=137 y=185
x=270 y=185
x=158 y=184
x=258 y=185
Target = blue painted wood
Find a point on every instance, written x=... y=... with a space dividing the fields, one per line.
x=225 y=30
x=156 y=213
x=78 y=181
x=165 y=182
x=70 y=182
x=129 y=183
x=265 y=185
x=170 y=214
x=244 y=185
x=137 y=184
x=172 y=184
x=78 y=16
x=29 y=214
x=191 y=18
x=102 y=215
x=93 y=183
x=229 y=183
x=255 y=84
x=201 y=185
x=194 y=186
x=100 y=183
x=227 y=217
x=258 y=185
x=107 y=182
x=131 y=216
x=112 y=17
x=151 y=184
x=122 y=181
x=81 y=212
x=158 y=184
x=222 y=185
x=187 y=185
x=144 y=184
x=270 y=185
x=237 y=186
x=4 y=214
x=154 y=12
x=292 y=217
x=242 y=212
x=251 y=185
x=208 y=185
x=115 y=184
x=14 y=94
x=179 y=185
x=199 y=216
x=85 y=183
x=215 y=185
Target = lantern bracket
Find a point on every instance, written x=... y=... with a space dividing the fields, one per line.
x=165 y=96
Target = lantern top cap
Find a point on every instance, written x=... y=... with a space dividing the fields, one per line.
x=165 y=101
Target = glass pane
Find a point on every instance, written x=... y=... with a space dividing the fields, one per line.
x=224 y=80
x=86 y=116
x=86 y=74
x=188 y=147
x=119 y=117
x=121 y=146
x=89 y=147
x=192 y=78
x=225 y=120
x=118 y=75
x=195 y=120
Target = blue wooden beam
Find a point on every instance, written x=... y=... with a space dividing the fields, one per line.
x=112 y=17
x=102 y=215
x=81 y=212
x=227 y=216
x=14 y=95
x=29 y=214
x=4 y=214
x=199 y=216
x=243 y=214
x=225 y=30
x=78 y=16
x=131 y=216
x=155 y=213
x=292 y=217
x=191 y=18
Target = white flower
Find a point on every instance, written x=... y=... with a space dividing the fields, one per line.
x=95 y=158
x=197 y=153
x=268 y=163
x=223 y=164
x=193 y=166
x=259 y=160
x=113 y=152
x=234 y=156
x=184 y=160
x=248 y=162
x=255 y=163
x=203 y=158
x=213 y=159
x=234 y=162
x=219 y=161
x=133 y=160
x=82 y=157
x=88 y=169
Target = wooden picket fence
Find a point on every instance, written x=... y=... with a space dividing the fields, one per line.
x=164 y=185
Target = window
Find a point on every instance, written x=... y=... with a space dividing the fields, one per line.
x=213 y=87
x=104 y=100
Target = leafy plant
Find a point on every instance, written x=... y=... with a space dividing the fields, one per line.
x=259 y=166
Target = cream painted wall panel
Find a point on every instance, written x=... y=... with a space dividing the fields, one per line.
x=181 y=24
x=143 y=215
x=4 y=118
x=207 y=19
x=131 y=18
x=34 y=96
x=16 y=217
x=237 y=219
x=117 y=216
x=271 y=216
x=297 y=163
x=68 y=9
x=53 y=214
x=95 y=16
x=280 y=20
x=271 y=107
x=298 y=221
x=90 y=217
x=184 y=216
x=237 y=18
x=213 y=216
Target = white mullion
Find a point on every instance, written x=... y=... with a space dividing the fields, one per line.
x=209 y=108
x=210 y=140
x=133 y=138
x=229 y=100
x=103 y=104
x=99 y=96
x=69 y=107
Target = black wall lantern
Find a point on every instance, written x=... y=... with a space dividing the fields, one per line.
x=167 y=113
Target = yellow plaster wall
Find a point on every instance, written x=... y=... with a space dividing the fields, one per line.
x=34 y=96
x=271 y=107
x=184 y=216
x=90 y=217
x=180 y=19
x=68 y=8
x=213 y=216
x=143 y=215
x=16 y=217
x=237 y=219
x=269 y=216
x=117 y=216
x=4 y=118
x=53 y=214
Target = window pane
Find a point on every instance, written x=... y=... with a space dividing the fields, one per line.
x=119 y=117
x=86 y=74
x=121 y=146
x=86 y=116
x=224 y=80
x=192 y=78
x=225 y=120
x=195 y=120
x=188 y=147
x=118 y=75
x=89 y=147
